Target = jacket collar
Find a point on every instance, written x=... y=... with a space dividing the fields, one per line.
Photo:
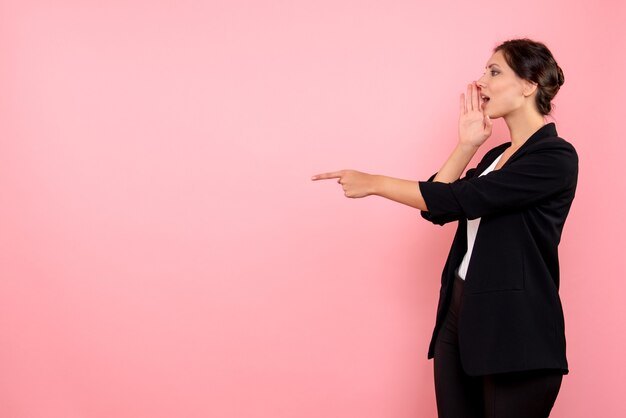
x=546 y=131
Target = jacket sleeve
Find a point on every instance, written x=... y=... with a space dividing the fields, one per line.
x=443 y=219
x=537 y=175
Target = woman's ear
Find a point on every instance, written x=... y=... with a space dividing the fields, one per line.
x=529 y=87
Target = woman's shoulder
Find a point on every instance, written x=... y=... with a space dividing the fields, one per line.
x=550 y=151
x=553 y=141
x=555 y=144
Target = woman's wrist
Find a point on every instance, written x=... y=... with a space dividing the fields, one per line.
x=469 y=149
x=377 y=184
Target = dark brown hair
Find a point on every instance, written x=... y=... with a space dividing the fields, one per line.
x=534 y=62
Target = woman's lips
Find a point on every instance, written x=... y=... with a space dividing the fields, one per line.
x=484 y=99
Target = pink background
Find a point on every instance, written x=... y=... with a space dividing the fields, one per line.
x=163 y=252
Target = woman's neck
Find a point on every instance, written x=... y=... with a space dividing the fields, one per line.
x=522 y=125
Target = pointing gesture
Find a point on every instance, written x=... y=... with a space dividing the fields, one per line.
x=355 y=183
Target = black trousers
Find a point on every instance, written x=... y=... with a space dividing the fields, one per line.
x=527 y=394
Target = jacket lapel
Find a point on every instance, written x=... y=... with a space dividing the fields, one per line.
x=546 y=131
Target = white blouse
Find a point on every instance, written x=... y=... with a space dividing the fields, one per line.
x=472 y=229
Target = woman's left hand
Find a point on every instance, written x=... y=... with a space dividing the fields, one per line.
x=475 y=125
x=355 y=183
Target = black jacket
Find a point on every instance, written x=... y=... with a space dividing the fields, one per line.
x=511 y=317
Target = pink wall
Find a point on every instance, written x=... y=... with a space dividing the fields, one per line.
x=163 y=252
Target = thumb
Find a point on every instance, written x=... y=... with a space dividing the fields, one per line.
x=488 y=124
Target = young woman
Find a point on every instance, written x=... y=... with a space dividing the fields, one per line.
x=499 y=338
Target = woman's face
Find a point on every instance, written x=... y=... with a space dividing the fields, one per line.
x=506 y=91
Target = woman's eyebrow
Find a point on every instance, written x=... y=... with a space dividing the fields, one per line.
x=492 y=65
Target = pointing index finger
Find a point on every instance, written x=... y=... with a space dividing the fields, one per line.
x=326 y=176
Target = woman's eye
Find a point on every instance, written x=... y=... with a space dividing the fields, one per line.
x=493 y=72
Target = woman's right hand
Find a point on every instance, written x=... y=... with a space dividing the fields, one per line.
x=475 y=126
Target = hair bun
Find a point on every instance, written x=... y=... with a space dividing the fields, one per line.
x=561 y=77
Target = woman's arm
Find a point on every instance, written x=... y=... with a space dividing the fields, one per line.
x=548 y=169
x=357 y=184
x=474 y=129
x=457 y=162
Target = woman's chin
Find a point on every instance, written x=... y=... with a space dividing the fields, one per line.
x=492 y=114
